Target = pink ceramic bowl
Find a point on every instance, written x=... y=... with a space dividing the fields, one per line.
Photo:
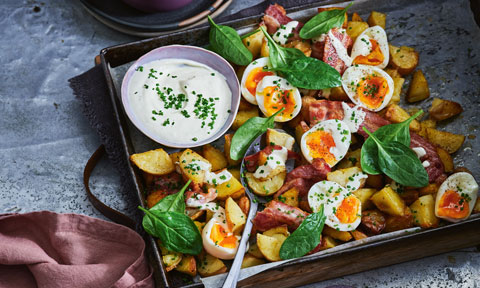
x=193 y=53
x=150 y=6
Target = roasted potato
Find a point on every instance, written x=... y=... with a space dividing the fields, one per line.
x=301 y=45
x=199 y=225
x=277 y=230
x=243 y=116
x=289 y=197
x=154 y=197
x=244 y=204
x=169 y=258
x=250 y=261
x=395 y=223
x=209 y=265
x=397 y=90
x=231 y=188
x=431 y=188
x=327 y=243
x=254 y=251
x=377 y=18
x=364 y=195
x=175 y=156
x=235 y=217
x=215 y=157
x=446 y=159
x=275 y=137
x=418 y=89
x=343 y=176
x=235 y=172
x=355 y=28
x=299 y=131
x=267 y=187
x=254 y=43
x=351 y=159
x=264 y=50
x=423 y=211
x=404 y=59
x=226 y=150
x=188 y=265
x=356 y=17
x=429 y=123
x=444 y=109
x=393 y=72
x=335 y=234
x=188 y=165
x=358 y=235
x=409 y=196
x=397 y=114
x=389 y=201
x=155 y=162
x=194 y=214
x=448 y=141
x=270 y=246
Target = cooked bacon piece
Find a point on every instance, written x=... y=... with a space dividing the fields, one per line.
x=277 y=213
x=251 y=161
x=302 y=185
x=197 y=197
x=372 y=122
x=435 y=170
x=322 y=110
x=317 y=50
x=330 y=55
x=317 y=171
x=171 y=182
x=275 y=15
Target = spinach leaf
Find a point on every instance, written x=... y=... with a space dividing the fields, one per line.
x=174 y=202
x=248 y=132
x=311 y=73
x=323 y=22
x=305 y=238
x=400 y=163
x=225 y=41
x=399 y=132
x=176 y=231
x=280 y=56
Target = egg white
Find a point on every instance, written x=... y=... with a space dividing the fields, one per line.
x=258 y=63
x=332 y=205
x=362 y=44
x=321 y=191
x=209 y=245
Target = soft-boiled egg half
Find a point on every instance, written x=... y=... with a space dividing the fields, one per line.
x=371 y=48
x=328 y=140
x=275 y=93
x=252 y=75
x=342 y=209
x=367 y=86
x=218 y=239
x=456 y=197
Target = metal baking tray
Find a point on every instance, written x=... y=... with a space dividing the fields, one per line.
x=434 y=28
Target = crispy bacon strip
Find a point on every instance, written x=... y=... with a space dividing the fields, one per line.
x=275 y=15
x=277 y=213
x=171 y=183
x=325 y=50
x=317 y=171
x=196 y=198
x=251 y=161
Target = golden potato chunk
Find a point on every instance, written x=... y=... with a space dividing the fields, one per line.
x=351 y=159
x=393 y=72
x=264 y=50
x=289 y=197
x=235 y=217
x=170 y=259
x=364 y=195
x=327 y=242
x=270 y=246
x=190 y=164
x=267 y=187
x=431 y=188
x=339 y=235
x=404 y=59
x=355 y=28
x=215 y=157
x=277 y=230
x=254 y=251
x=275 y=137
x=448 y=141
x=344 y=176
x=444 y=109
x=397 y=114
x=154 y=197
x=423 y=211
x=377 y=18
x=254 y=43
x=243 y=116
x=250 y=261
x=356 y=17
x=155 y=162
x=395 y=223
x=446 y=159
x=230 y=188
x=301 y=45
x=357 y=235
x=188 y=265
x=209 y=265
x=418 y=89
x=397 y=90
x=389 y=201
x=226 y=150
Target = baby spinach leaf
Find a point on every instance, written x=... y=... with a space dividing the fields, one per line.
x=176 y=231
x=323 y=22
x=248 y=132
x=225 y=41
x=400 y=163
x=280 y=56
x=305 y=238
x=174 y=202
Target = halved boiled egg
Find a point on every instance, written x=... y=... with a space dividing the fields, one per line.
x=328 y=140
x=252 y=75
x=275 y=93
x=456 y=197
x=218 y=239
x=321 y=191
x=343 y=212
x=368 y=86
x=371 y=48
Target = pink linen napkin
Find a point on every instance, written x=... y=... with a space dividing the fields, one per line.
x=46 y=249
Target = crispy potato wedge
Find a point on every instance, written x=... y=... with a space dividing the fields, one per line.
x=299 y=131
x=301 y=45
x=431 y=188
x=170 y=259
x=357 y=235
x=235 y=217
x=243 y=116
x=250 y=261
x=446 y=159
x=404 y=59
x=231 y=188
x=275 y=137
x=155 y=162
x=254 y=43
x=355 y=28
x=351 y=159
x=226 y=150
x=423 y=211
x=418 y=89
x=267 y=187
x=339 y=235
x=277 y=230
x=393 y=72
x=209 y=265
x=356 y=17
x=364 y=195
x=377 y=18
x=327 y=243
x=215 y=157
x=175 y=156
x=290 y=197
x=448 y=141
x=188 y=265
x=409 y=196
x=444 y=109
x=270 y=246
x=154 y=197
x=235 y=172
x=397 y=90
x=244 y=204
x=194 y=214
x=389 y=201
x=429 y=123
x=341 y=176
x=395 y=223
x=397 y=114
x=264 y=51
x=187 y=163
x=254 y=251
x=199 y=225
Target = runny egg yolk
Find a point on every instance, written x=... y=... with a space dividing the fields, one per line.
x=254 y=77
x=276 y=99
x=319 y=143
x=348 y=209
x=375 y=57
x=221 y=238
x=371 y=90
x=453 y=205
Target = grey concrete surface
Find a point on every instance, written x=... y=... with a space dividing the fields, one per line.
x=45 y=141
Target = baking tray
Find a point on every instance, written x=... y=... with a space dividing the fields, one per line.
x=451 y=74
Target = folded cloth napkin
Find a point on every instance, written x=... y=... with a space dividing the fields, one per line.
x=46 y=249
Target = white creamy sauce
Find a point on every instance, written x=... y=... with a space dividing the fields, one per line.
x=218 y=178
x=353 y=116
x=275 y=159
x=340 y=49
x=285 y=32
x=426 y=164
x=180 y=100
x=354 y=181
x=419 y=151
